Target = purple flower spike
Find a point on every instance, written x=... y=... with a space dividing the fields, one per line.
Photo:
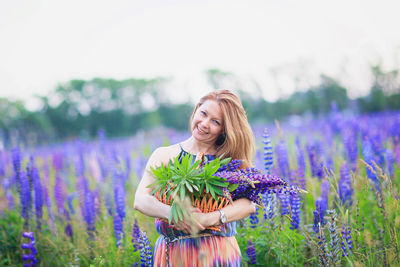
x=345 y=188
x=346 y=240
x=135 y=236
x=28 y=235
x=268 y=154
x=295 y=203
x=251 y=252
x=369 y=158
x=146 y=255
x=254 y=219
x=25 y=196
x=389 y=162
x=37 y=185
x=16 y=160
x=118 y=229
x=32 y=261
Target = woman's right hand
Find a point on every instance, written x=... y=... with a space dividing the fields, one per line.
x=189 y=224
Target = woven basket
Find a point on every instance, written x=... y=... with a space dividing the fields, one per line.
x=206 y=204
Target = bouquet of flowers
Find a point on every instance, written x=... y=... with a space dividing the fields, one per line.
x=210 y=184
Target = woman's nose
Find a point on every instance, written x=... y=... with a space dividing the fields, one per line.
x=205 y=123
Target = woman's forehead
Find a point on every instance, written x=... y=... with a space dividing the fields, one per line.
x=213 y=109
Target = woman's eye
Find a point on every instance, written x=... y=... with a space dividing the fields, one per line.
x=203 y=113
x=217 y=123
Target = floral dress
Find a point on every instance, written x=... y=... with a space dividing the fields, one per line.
x=212 y=248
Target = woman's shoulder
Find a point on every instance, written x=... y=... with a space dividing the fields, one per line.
x=165 y=153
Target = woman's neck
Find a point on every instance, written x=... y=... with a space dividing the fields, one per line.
x=193 y=146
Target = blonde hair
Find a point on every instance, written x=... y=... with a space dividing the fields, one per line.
x=239 y=142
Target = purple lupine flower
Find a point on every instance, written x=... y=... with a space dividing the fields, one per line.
x=389 y=162
x=345 y=188
x=346 y=240
x=135 y=236
x=252 y=183
x=49 y=208
x=268 y=154
x=251 y=252
x=90 y=217
x=350 y=142
x=37 y=185
x=25 y=196
x=369 y=159
x=146 y=255
x=323 y=253
x=313 y=158
x=31 y=246
x=118 y=229
x=253 y=218
x=59 y=194
x=119 y=193
x=321 y=205
x=68 y=230
x=282 y=156
x=377 y=148
x=86 y=202
x=284 y=198
x=16 y=160
x=295 y=203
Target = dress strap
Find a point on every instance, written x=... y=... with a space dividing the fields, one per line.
x=180 y=145
x=182 y=153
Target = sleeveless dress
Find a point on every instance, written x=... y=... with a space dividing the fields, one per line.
x=215 y=249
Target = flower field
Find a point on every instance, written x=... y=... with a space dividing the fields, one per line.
x=71 y=204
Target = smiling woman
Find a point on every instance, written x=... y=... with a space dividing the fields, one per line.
x=219 y=127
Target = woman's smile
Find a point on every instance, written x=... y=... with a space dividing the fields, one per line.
x=207 y=122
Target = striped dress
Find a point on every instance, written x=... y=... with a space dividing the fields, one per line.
x=216 y=249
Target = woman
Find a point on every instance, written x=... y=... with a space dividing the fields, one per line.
x=218 y=127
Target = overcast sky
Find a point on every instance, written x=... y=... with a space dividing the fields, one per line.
x=48 y=42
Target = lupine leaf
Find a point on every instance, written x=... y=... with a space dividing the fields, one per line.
x=189 y=187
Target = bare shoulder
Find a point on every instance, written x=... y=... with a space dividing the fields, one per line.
x=164 y=154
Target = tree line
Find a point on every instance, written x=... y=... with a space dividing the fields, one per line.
x=122 y=107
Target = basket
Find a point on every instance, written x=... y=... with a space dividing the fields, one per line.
x=206 y=204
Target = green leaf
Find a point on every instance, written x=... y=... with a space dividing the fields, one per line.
x=232 y=187
x=183 y=192
x=218 y=183
x=195 y=187
x=189 y=187
x=179 y=212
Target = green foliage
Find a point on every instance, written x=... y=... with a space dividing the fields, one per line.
x=179 y=180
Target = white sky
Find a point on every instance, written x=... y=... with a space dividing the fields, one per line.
x=46 y=42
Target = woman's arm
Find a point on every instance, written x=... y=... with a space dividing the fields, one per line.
x=144 y=201
x=150 y=205
x=241 y=208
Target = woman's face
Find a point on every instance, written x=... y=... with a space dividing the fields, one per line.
x=207 y=122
